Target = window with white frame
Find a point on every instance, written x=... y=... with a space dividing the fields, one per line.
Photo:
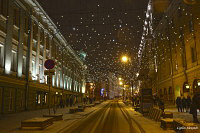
x=1 y=55
x=67 y=83
x=14 y=61
x=58 y=79
x=33 y=70
x=40 y=73
x=38 y=98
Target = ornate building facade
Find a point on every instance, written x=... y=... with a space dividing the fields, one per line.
x=28 y=37
x=175 y=50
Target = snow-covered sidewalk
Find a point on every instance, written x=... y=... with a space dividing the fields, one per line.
x=151 y=126
x=148 y=125
x=12 y=122
x=183 y=115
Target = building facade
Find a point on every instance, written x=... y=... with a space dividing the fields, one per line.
x=175 y=48
x=28 y=37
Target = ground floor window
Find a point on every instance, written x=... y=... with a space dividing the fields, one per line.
x=14 y=61
x=44 y=98
x=10 y=100
x=38 y=98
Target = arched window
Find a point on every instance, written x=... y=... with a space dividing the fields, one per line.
x=170 y=90
x=165 y=91
x=196 y=86
x=186 y=87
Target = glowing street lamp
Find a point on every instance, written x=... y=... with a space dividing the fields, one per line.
x=198 y=82
x=120 y=83
x=124 y=58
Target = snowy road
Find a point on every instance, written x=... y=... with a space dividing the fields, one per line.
x=111 y=118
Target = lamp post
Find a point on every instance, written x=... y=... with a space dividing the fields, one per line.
x=126 y=59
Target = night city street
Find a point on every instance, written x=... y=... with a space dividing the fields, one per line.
x=99 y=66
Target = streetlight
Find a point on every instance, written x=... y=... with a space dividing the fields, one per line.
x=124 y=58
x=120 y=83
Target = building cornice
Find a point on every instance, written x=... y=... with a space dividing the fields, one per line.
x=36 y=6
x=173 y=7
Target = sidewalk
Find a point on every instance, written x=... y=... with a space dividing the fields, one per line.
x=151 y=126
x=183 y=115
x=148 y=125
x=12 y=122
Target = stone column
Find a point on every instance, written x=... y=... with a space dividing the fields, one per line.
x=50 y=42
x=8 y=41
x=62 y=71
x=29 y=60
x=30 y=48
x=37 y=58
x=73 y=79
x=44 y=56
x=20 y=51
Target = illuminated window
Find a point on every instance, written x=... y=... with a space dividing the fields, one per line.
x=33 y=65
x=1 y=55
x=176 y=66
x=38 y=98
x=41 y=73
x=14 y=61
x=58 y=79
x=44 y=98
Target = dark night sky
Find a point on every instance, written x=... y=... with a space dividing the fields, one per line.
x=104 y=29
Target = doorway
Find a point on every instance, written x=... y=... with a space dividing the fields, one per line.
x=177 y=92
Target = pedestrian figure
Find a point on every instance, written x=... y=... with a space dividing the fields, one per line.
x=54 y=109
x=179 y=104
x=87 y=100
x=90 y=100
x=84 y=100
x=161 y=105
x=61 y=103
x=194 y=107
x=188 y=103
x=67 y=101
x=133 y=101
x=183 y=101
x=70 y=101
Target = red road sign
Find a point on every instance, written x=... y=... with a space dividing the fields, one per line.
x=49 y=64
